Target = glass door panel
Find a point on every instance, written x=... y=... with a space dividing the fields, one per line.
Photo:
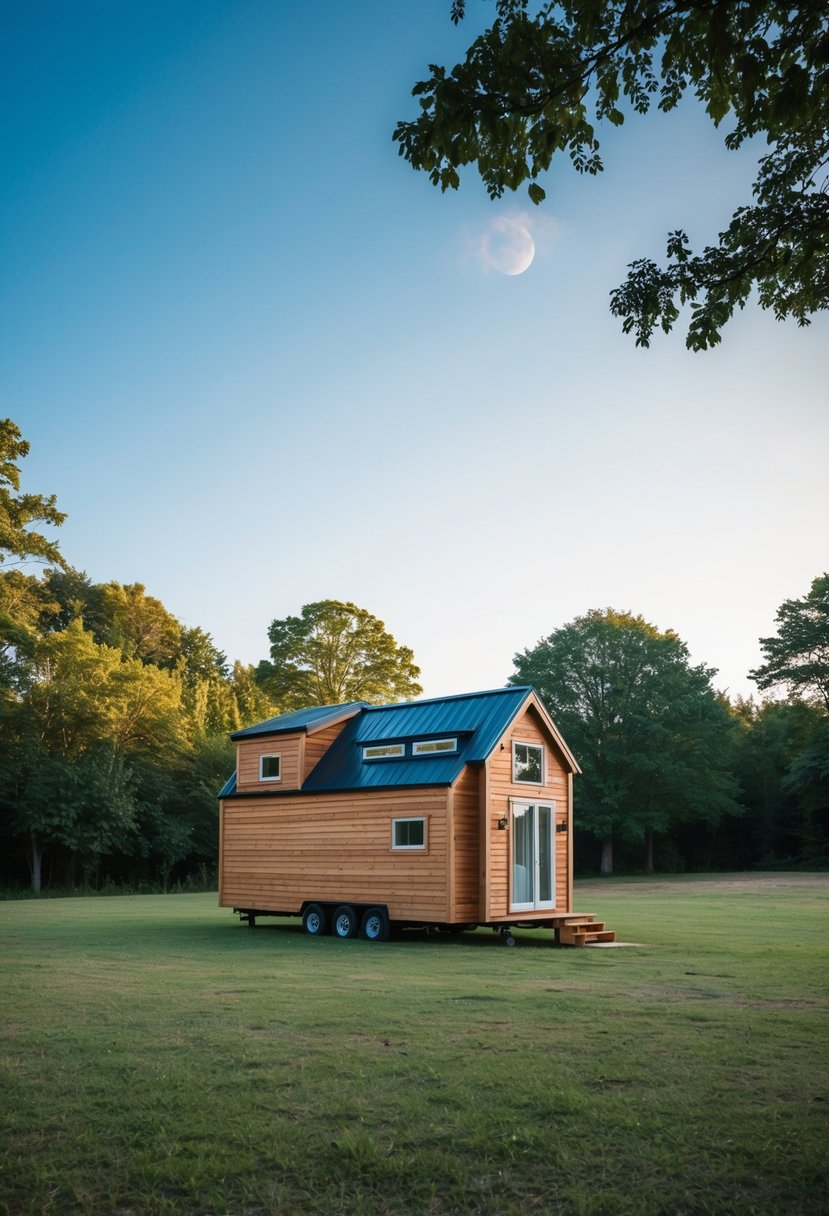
x=533 y=856
x=523 y=855
x=544 y=893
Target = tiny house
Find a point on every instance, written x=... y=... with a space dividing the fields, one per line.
x=446 y=814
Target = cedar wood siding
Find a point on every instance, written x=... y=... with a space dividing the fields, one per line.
x=300 y=754
x=277 y=853
x=317 y=744
x=497 y=784
x=465 y=820
x=290 y=748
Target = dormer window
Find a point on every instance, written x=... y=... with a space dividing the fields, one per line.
x=385 y=751
x=433 y=747
x=270 y=768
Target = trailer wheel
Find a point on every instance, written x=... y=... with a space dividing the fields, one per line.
x=314 y=920
x=345 y=922
x=375 y=925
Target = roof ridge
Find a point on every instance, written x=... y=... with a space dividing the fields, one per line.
x=456 y=696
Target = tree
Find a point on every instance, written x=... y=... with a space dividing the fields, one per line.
x=137 y=623
x=335 y=652
x=84 y=806
x=651 y=734
x=537 y=83
x=782 y=764
x=18 y=542
x=85 y=702
x=21 y=596
x=797 y=658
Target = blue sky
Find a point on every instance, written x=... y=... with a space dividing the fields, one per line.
x=262 y=362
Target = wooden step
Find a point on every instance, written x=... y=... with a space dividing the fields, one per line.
x=582 y=934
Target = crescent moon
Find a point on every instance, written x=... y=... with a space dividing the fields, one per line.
x=510 y=247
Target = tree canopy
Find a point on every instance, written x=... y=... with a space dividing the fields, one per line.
x=18 y=541
x=543 y=77
x=649 y=731
x=335 y=652
x=797 y=657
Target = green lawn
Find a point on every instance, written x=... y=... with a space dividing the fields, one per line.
x=160 y=1058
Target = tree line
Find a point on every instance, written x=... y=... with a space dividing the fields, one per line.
x=115 y=717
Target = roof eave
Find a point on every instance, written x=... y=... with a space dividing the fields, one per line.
x=341 y=714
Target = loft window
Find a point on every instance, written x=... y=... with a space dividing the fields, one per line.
x=528 y=763
x=408 y=833
x=385 y=751
x=270 y=768
x=431 y=747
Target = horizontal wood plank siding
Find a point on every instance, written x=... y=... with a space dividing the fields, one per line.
x=317 y=744
x=277 y=854
x=527 y=728
x=466 y=820
x=248 y=751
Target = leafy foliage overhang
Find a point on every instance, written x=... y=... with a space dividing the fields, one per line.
x=543 y=77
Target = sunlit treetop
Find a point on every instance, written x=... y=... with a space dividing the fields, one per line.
x=18 y=542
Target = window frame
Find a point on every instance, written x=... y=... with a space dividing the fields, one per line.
x=270 y=756
x=394 y=751
x=520 y=806
x=537 y=747
x=417 y=744
x=410 y=848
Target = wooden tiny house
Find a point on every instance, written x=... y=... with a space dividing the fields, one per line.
x=445 y=813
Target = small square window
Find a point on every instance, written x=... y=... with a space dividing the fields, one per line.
x=408 y=833
x=528 y=763
x=270 y=768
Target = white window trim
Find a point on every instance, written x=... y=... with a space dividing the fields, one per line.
x=410 y=848
x=394 y=751
x=425 y=747
x=539 y=747
x=541 y=905
x=270 y=756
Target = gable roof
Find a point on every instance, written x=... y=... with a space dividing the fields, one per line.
x=476 y=720
x=308 y=720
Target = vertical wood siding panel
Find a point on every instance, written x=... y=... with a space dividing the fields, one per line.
x=466 y=817
x=527 y=728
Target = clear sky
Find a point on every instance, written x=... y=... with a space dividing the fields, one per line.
x=262 y=362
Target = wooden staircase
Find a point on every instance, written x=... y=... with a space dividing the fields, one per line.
x=582 y=929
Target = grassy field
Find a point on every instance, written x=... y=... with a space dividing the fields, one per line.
x=158 y=1058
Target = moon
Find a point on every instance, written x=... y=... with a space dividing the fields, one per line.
x=510 y=248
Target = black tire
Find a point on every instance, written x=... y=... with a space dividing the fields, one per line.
x=375 y=925
x=315 y=920
x=344 y=922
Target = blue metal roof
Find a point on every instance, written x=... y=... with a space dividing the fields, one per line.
x=300 y=719
x=229 y=786
x=476 y=720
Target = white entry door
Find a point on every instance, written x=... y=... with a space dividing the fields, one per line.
x=532 y=866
